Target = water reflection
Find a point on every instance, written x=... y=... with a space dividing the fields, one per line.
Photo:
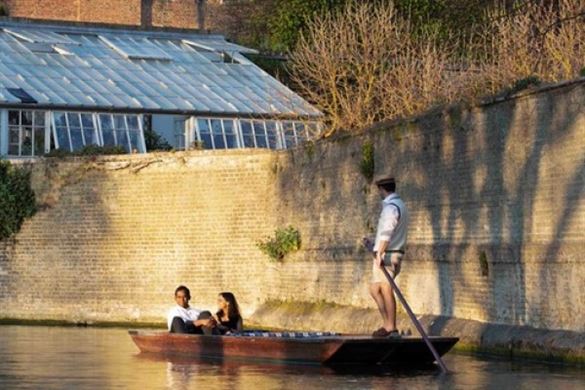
x=38 y=357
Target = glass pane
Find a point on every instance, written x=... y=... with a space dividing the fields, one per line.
x=39 y=118
x=230 y=134
x=301 y=133
x=63 y=138
x=107 y=130
x=13 y=140
x=272 y=134
x=135 y=141
x=217 y=134
x=73 y=120
x=90 y=136
x=87 y=120
x=26 y=148
x=247 y=134
x=27 y=117
x=59 y=119
x=76 y=140
x=289 y=134
x=205 y=133
x=260 y=135
x=119 y=121
x=13 y=150
x=89 y=130
x=123 y=141
x=39 y=141
x=132 y=122
x=13 y=117
x=13 y=136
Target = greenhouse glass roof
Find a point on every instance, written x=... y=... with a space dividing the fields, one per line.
x=61 y=66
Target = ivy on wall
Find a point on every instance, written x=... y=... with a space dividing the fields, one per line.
x=17 y=199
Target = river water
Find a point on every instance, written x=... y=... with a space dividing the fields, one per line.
x=105 y=358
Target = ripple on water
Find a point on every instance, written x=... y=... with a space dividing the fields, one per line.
x=56 y=357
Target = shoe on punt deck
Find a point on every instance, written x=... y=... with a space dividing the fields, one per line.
x=382 y=332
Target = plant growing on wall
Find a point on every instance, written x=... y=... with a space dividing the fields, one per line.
x=3 y=9
x=17 y=199
x=367 y=165
x=285 y=241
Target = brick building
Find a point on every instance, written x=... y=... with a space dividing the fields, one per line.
x=167 y=13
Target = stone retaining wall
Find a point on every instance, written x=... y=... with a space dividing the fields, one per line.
x=495 y=193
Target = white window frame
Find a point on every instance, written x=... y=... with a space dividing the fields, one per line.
x=196 y=131
x=5 y=133
x=193 y=132
x=98 y=131
x=241 y=132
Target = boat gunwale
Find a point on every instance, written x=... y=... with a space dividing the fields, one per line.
x=343 y=338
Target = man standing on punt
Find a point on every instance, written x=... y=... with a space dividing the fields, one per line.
x=388 y=252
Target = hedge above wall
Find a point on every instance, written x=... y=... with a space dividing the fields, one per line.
x=17 y=199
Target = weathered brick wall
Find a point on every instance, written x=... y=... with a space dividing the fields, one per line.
x=163 y=13
x=102 y=11
x=496 y=197
x=175 y=13
x=117 y=236
x=497 y=202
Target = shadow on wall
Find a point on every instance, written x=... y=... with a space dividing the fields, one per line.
x=484 y=178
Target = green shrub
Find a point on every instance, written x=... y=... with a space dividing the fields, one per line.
x=89 y=150
x=285 y=241
x=525 y=83
x=3 y=10
x=155 y=142
x=17 y=199
x=582 y=72
x=367 y=164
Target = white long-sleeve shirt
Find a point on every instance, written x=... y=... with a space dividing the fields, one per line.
x=393 y=223
x=188 y=314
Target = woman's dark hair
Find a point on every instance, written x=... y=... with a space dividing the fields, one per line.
x=185 y=289
x=233 y=308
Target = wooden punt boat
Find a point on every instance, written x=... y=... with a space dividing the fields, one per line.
x=329 y=350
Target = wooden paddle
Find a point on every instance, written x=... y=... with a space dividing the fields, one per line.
x=370 y=246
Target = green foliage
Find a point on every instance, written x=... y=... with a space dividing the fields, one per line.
x=367 y=164
x=525 y=83
x=444 y=17
x=483 y=264
x=17 y=199
x=3 y=9
x=155 y=142
x=287 y=19
x=285 y=240
x=582 y=72
x=290 y=19
x=89 y=150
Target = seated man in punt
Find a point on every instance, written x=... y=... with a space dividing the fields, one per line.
x=185 y=319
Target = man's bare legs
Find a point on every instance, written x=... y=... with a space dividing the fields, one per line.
x=390 y=305
x=376 y=293
x=384 y=297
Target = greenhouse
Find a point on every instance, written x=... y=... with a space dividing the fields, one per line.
x=66 y=86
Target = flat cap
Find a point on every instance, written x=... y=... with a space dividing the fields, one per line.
x=385 y=180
